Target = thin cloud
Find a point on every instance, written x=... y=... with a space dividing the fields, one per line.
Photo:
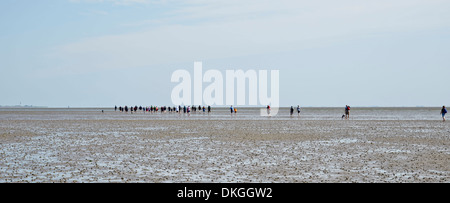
x=116 y=2
x=198 y=30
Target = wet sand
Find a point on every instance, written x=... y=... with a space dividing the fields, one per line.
x=59 y=146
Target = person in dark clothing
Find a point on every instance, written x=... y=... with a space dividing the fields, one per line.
x=443 y=112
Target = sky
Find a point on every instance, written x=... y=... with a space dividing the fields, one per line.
x=95 y=53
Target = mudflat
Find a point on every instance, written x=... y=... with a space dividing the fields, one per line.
x=90 y=146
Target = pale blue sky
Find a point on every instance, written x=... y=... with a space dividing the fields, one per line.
x=122 y=52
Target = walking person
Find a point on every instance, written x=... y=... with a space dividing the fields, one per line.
x=231 y=109
x=292 y=110
x=443 y=112
x=298 y=110
x=209 y=109
x=347 y=111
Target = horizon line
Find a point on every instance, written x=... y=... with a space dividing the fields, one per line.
x=219 y=106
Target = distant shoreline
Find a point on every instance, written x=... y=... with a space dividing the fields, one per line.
x=24 y=106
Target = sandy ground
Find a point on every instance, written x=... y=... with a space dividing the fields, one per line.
x=93 y=149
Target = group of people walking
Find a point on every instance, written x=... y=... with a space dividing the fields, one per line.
x=233 y=110
x=163 y=109
x=298 y=110
x=291 y=110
